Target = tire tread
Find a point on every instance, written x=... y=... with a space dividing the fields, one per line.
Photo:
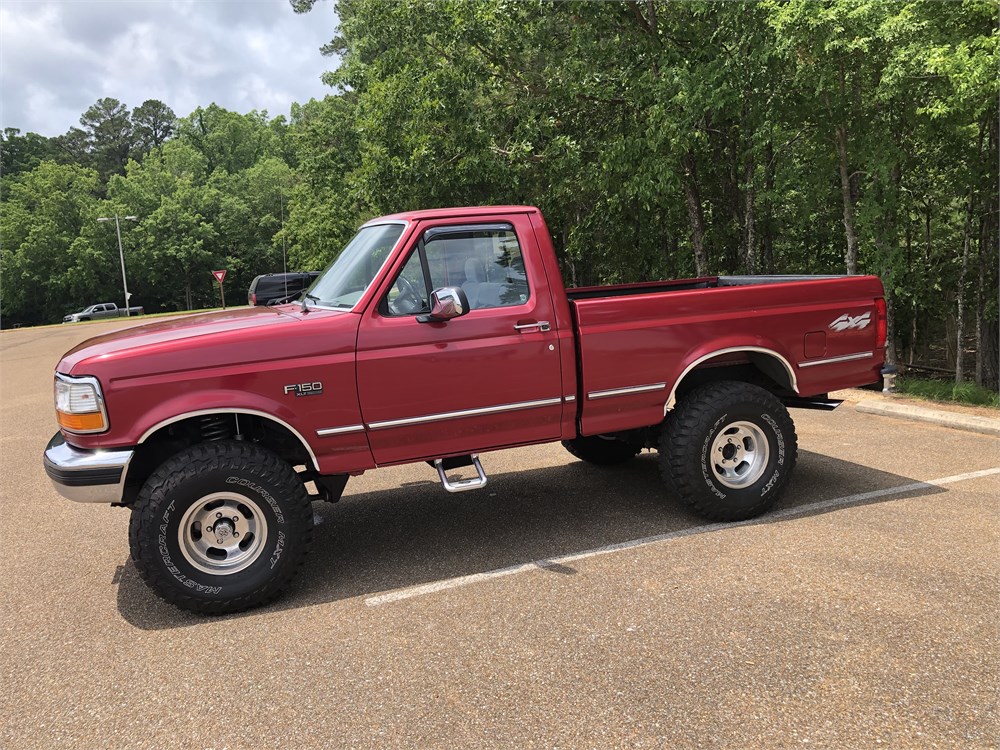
x=687 y=425
x=190 y=463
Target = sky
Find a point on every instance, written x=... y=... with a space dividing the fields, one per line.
x=57 y=57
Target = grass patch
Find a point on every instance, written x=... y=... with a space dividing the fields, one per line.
x=942 y=390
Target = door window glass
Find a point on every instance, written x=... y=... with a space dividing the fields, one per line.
x=486 y=263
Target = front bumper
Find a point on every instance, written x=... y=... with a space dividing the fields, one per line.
x=86 y=476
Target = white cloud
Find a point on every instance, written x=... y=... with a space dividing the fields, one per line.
x=57 y=57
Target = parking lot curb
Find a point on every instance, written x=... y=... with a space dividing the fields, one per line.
x=967 y=422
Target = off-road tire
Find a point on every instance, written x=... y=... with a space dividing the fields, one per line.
x=232 y=469
x=691 y=448
x=601 y=451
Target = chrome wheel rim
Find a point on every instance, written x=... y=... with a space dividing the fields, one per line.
x=739 y=454
x=222 y=533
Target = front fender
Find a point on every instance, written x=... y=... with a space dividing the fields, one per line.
x=221 y=402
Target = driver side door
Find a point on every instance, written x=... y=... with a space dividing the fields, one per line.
x=488 y=379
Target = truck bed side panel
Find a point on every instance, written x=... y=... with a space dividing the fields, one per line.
x=633 y=349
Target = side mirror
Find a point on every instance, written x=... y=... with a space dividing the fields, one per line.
x=446 y=303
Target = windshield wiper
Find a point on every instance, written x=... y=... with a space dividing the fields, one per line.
x=305 y=297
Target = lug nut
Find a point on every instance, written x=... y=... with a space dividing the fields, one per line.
x=218 y=515
x=208 y=529
x=236 y=535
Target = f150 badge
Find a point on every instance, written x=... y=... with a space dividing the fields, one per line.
x=846 y=322
x=305 y=389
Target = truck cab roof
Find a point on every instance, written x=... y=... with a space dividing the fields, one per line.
x=456 y=212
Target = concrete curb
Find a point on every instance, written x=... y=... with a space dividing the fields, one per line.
x=967 y=422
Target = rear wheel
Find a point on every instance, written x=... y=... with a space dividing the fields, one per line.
x=728 y=449
x=601 y=450
x=221 y=527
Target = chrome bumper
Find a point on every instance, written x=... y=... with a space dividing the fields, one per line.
x=86 y=476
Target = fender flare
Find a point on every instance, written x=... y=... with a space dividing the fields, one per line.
x=671 y=401
x=231 y=410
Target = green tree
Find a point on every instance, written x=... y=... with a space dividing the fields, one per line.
x=228 y=140
x=47 y=270
x=22 y=153
x=154 y=123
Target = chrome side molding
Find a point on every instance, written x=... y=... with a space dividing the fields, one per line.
x=628 y=391
x=340 y=430
x=833 y=360
x=464 y=413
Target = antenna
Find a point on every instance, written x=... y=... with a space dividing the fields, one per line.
x=284 y=262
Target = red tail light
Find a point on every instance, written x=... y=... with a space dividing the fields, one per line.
x=881 y=323
x=253 y=299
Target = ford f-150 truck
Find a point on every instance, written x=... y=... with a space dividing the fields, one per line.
x=102 y=310
x=437 y=336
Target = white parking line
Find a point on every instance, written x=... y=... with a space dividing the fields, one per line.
x=451 y=583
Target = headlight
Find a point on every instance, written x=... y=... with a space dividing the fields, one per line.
x=80 y=404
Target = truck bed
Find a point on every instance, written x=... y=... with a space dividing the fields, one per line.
x=706 y=282
x=809 y=334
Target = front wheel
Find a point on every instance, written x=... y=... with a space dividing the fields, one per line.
x=728 y=449
x=221 y=527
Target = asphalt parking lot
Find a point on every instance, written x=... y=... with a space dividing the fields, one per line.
x=563 y=606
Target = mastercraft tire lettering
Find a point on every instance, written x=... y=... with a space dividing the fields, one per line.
x=221 y=527
x=727 y=450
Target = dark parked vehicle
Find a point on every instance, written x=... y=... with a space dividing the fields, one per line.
x=276 y=288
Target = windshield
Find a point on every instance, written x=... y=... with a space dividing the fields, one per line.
x=345 y=280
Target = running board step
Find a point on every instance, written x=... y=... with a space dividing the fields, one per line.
x=460 y=485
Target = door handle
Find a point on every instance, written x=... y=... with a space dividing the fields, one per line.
x=541 y=325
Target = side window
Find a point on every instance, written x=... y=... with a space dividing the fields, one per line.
x=486 y=263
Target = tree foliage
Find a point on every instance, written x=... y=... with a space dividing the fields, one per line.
x=660 y=139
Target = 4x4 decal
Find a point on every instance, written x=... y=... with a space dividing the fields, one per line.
x=846 y=322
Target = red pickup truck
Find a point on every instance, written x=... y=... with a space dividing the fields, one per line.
x=436 y=336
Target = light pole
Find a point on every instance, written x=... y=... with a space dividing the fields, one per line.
x=121 y=252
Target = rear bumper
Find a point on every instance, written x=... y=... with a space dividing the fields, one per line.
x=86 y=476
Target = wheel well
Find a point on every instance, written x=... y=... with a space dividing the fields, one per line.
x=174 y=437
x=760 y=368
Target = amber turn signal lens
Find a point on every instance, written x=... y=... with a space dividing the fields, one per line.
x=92 y=422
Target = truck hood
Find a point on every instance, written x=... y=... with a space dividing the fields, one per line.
x=241 y=334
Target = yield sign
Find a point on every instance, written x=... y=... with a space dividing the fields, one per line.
x=220 y=276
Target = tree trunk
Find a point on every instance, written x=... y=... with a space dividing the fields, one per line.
x=851 y=256
x=887 y=242
x=695 y=214
x=989 y=348
x=987 y=327
x=960 y=293
x=767 y=228
x=980 y=301
x=890 y=328
x=909 y=278
x=749 y=219
x=846 y=188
